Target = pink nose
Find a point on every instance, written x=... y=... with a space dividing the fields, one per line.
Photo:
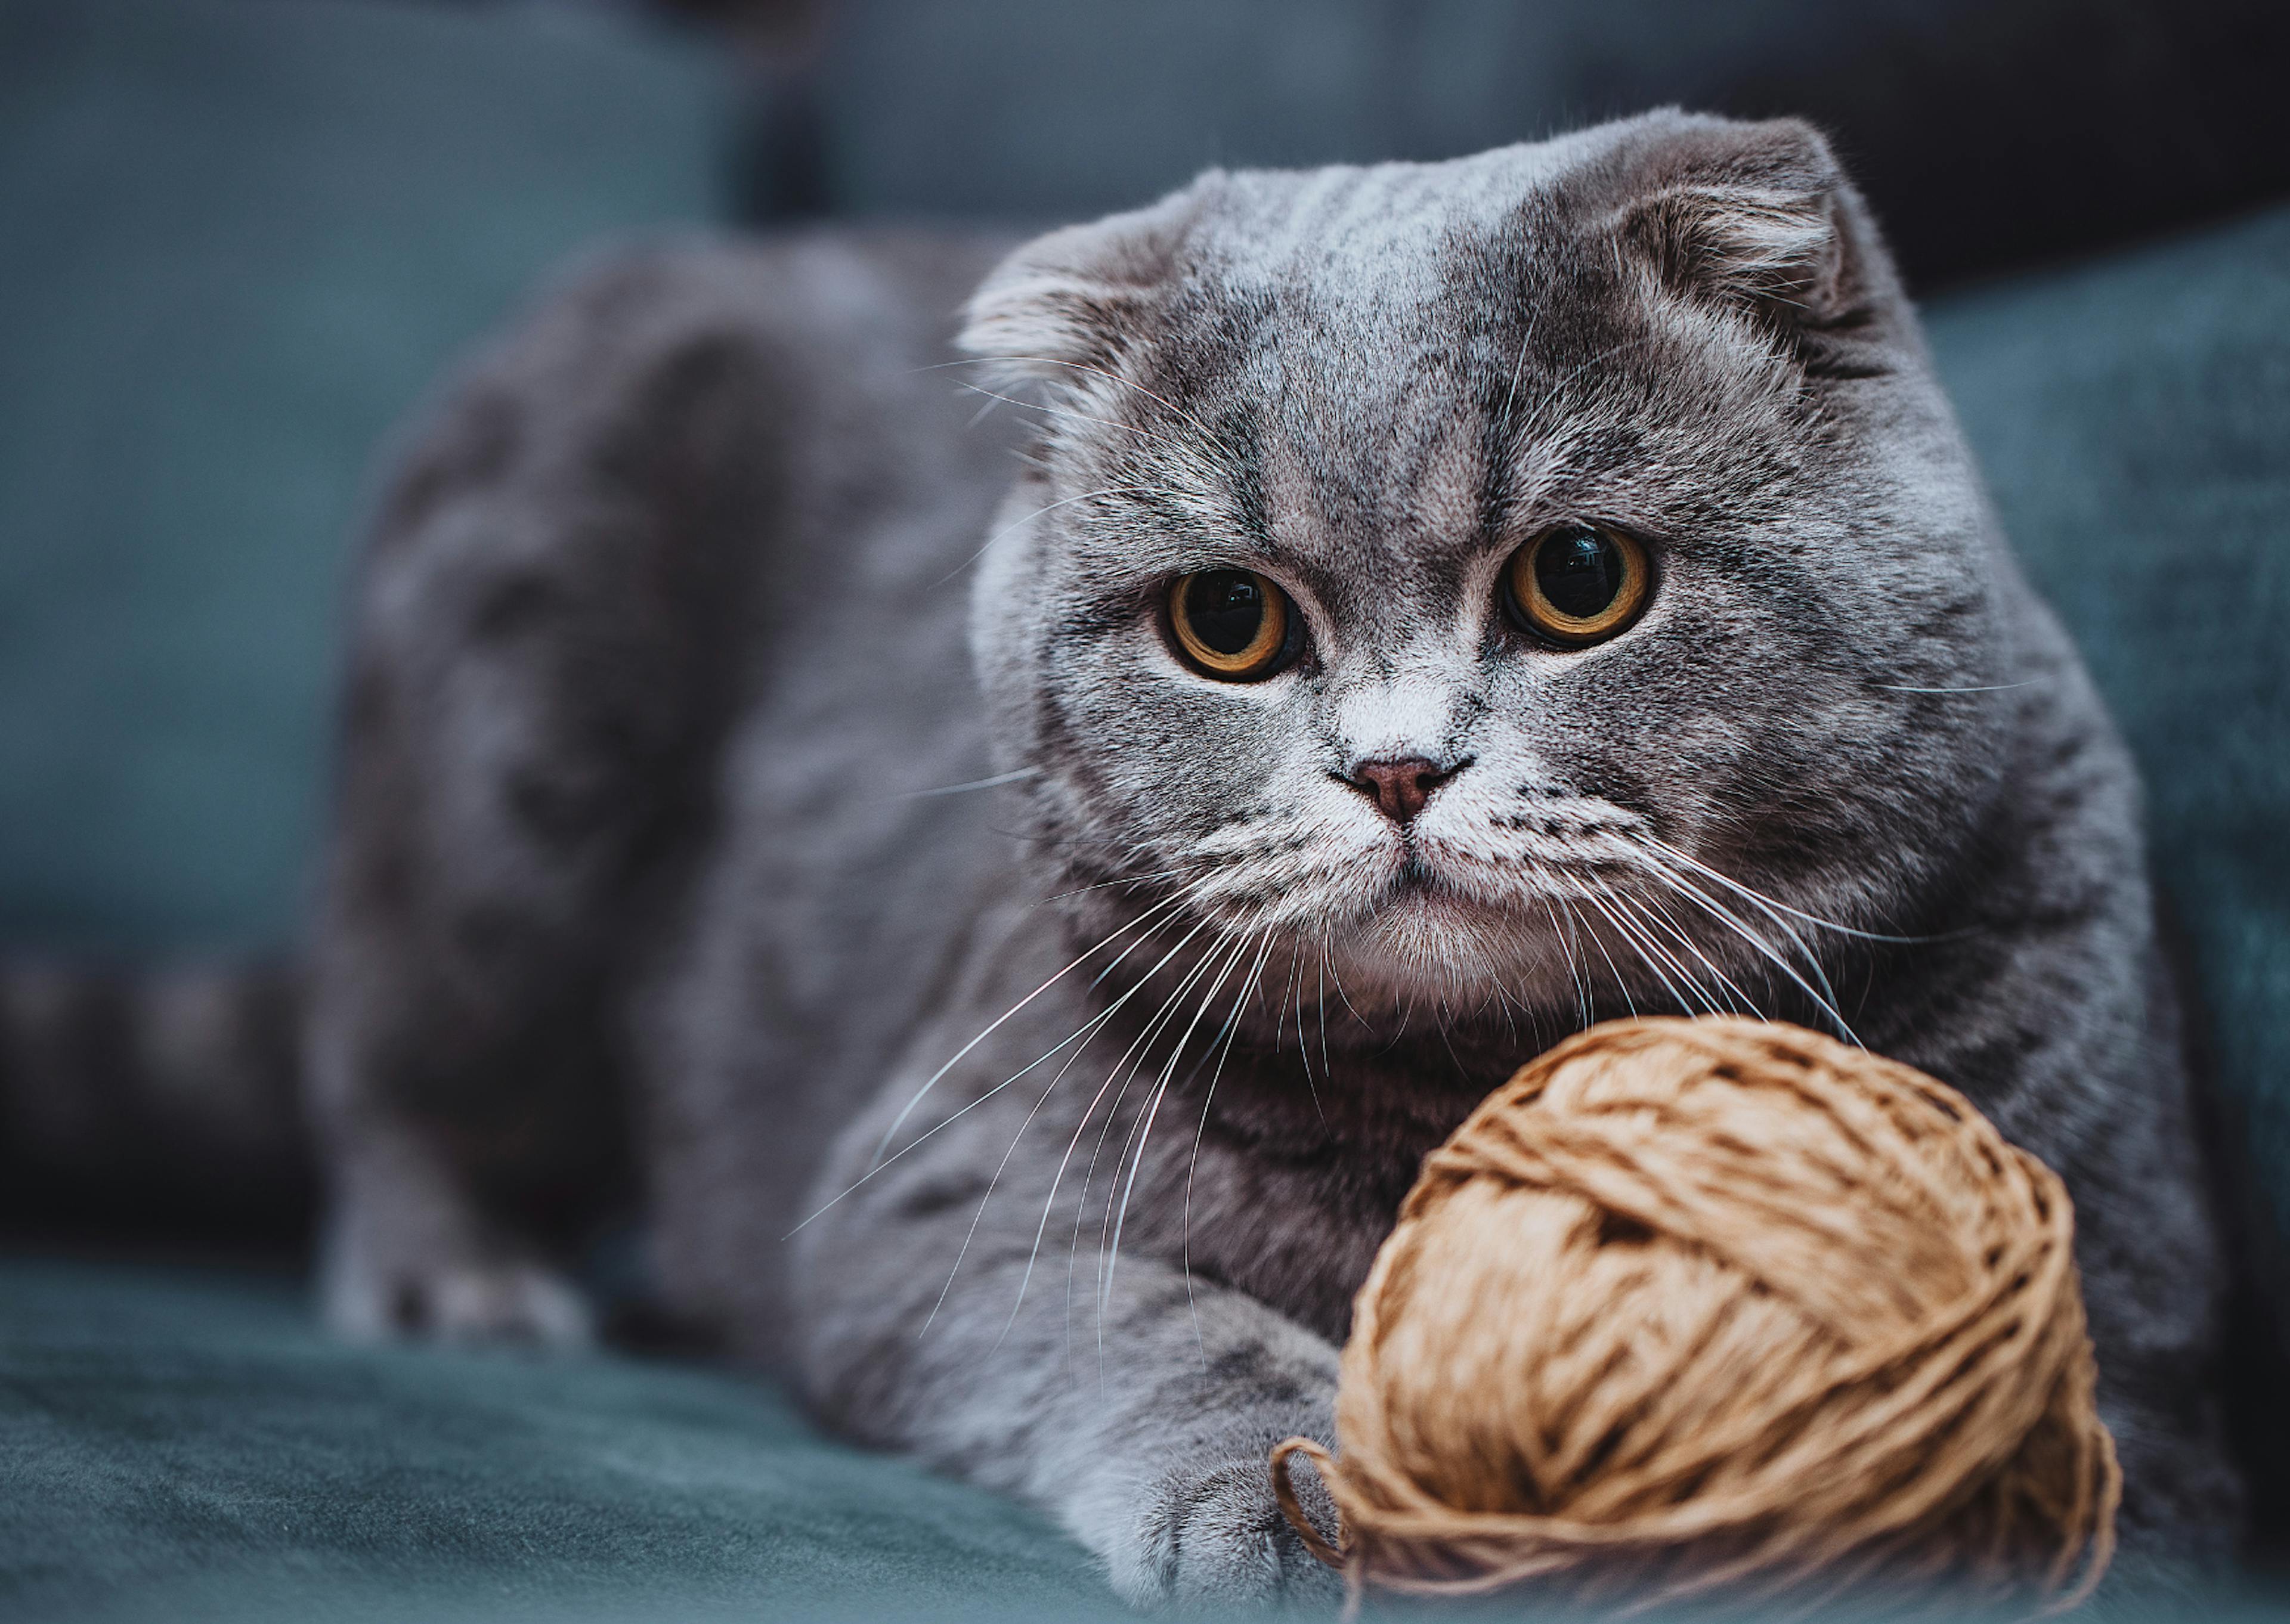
x=1401 y=788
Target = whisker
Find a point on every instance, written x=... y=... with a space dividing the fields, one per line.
x=1326 y=1070
x=1347 y=1000
x=1630 y=938
x=931 y=1081
x=1125 y=1070
x=1291 y=998
x=1049 y=1203
x=1086 y=1032
x=1098 y=371
x=1144 y=1133
x=1296 y=995
x=976 y=783
x=1079 y=417
x=1621 y=986
x=1636 y=915
x=1574 y=973
x=1823 y=996
x=1091 y=1028
x=1127 y=879
x=1096 y=1024
x=957 y=1116
x=1656 y=912
x=1991 y=688
x=1231 y=1032
x=1763 y=901
x=1016 y=524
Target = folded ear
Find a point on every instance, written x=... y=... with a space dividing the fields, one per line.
x=1749 y=214
x=1080 y=296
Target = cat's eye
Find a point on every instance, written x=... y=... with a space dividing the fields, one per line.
x=1576 y=584
x=1233 y=624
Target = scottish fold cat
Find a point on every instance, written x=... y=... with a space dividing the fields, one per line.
x=1016 y=847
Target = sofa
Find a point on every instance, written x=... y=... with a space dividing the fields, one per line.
x=239 y=241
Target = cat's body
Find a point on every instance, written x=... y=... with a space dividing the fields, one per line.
x=661 y=665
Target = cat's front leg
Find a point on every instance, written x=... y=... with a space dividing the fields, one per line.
x=1137 y=1407
x=1181 y=1510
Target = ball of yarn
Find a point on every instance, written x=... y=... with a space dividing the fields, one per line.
x=1721 y=1307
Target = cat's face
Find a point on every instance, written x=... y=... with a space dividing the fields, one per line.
x=1505 y=577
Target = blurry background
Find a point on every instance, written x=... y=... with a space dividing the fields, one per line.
x=238 y=238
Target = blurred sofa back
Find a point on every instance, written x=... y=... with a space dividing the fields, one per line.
x=1989 y=134
x=238 y=240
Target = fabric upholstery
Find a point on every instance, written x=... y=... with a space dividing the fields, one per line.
x=1989 y=134
x=239 y=239
x=2133 y=417
x=182 y=1446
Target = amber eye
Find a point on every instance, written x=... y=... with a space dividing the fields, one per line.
x=1233 y=624
x=1576 y=583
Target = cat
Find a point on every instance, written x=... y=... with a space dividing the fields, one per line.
x=1017 y=850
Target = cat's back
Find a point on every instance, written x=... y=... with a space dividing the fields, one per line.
x=845 y=864
x=766 y=445
x=677 y=569
x=716 y=496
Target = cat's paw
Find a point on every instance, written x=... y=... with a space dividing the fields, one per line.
x=1215 y=1537
x=458 y=1302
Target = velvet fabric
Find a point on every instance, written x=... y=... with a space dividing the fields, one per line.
x=2133 y=417
x=182 y=1444
x=213 y=301
x=239 y=239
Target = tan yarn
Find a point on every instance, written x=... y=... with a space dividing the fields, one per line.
x=1721 y=1306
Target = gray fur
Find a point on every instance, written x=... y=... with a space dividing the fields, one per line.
x=660 y=660
x=135 y=1095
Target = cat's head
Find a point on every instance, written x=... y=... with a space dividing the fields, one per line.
x=1492 y=573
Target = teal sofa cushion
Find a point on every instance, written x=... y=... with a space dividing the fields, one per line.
x=2133 y=417
x=239 y=239
x=186 y=1446
x=1988 y=133
x=183 y=1447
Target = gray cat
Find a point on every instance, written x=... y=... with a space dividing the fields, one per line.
x=1430 y=608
